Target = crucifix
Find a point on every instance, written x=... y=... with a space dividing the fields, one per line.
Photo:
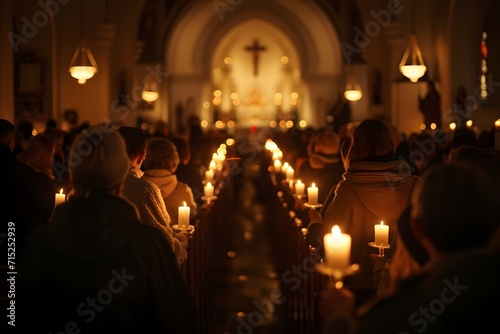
x=255 y=48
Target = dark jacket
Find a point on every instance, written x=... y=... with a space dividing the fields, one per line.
x=94 y=267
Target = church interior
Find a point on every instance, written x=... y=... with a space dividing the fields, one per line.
x=247 y=73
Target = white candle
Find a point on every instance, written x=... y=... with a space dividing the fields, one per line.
x=312 y=194
x=299 y=188
x=277 y=165
x=337 y=249
x=285 y=167
x=209 y=175
x=453 y=126
x=184 y=212
x=209 y=190
x=382 y=234
x=469 y=123
x=497 y=134
x=290 y=173
x=60 y=197
x=212 y=165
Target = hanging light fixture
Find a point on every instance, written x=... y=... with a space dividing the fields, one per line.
x=83 y=65
x=412 y=64
x=150 y=91
x=352 y=91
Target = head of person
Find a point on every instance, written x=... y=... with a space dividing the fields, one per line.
x=98 y=162
x=371 y=140
x=183 y=150
x=327 y=142
x=39 y=154
x=162 y=154
x=454 y=209
x=7 y=134
x=136 y=143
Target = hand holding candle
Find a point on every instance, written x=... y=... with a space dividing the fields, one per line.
x=184 y=213
x=60 y=197
x=381 y=234
x=312 y=194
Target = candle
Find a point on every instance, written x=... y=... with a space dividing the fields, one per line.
x=337 y=249
x=497 y=134
x=212 y=165
x=312 y=194
x=285 y=167
x=60 y=197
x=453 y=126
x=184 y=212
x=299 y=188
x=209 y=190
x=277 y=165
x=290 y=173
x=381 y=234
x=469 y=123
x=209 y=175
x=290 y=184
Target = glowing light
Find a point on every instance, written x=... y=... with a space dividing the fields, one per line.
x=206 y=105
x=284 y=60
x=227 y=60
x=302 y=124
x=204 y=124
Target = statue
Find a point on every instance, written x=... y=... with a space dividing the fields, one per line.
x=430 y=106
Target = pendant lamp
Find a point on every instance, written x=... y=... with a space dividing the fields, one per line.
x=412 y=64
x=352 y=91
x=83 y=65
x=150 y=91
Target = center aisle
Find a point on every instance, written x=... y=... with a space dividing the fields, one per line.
x=241 y=278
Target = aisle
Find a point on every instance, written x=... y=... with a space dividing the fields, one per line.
x=242 y=283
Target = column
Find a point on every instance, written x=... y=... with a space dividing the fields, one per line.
x=6 y=62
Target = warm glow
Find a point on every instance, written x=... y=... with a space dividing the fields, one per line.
x=289 y=124
x=413 y=72
x=277 y=102
x=282 y=123
x=236 y=102
x=294 y=95
x=381 y=222
x=204 y=123
x=217 y=71
x=216 y=101
x=217 y=93
x=234 y=95
x=34 y=132
x=82 y=73
x=469 y=123
x=293 y=102
x=61 y=191
x=230 y=124
x=149 y=96
x=336 y=232
x=453 y=126
x=273 y=124
x=302 y=124
x=422 y=127
x=497 y=123
x=206 y=105
x=230 y=142
x=284 y=60
x=227 y=60
x=219 y=125
x=353 y=95
x=184 y=203
x=433 y=126
x=144 y=126
x=278 y=96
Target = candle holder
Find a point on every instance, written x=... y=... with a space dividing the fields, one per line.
x=381 y=247
x=208 y=199
x=337 y=275
x=183 y=228
x=314 y=206
x=301 y=197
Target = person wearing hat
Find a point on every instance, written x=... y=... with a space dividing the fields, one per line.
x=450 y=235
x=95 y=268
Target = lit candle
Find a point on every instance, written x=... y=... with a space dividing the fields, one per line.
x=337 y=249
x=299 y=188
x=60 y=197
x=212 y=165
x=382 y=234
x=497 y=134
x=209 y=190
x=184 y=212
x=312 y=194
x=277 y=165
x=469 y=123
x=453 y=126
x=290 y=173
x=209 y=175
x=285 y=167
x=290 y=184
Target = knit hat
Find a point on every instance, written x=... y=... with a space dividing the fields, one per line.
x=98 y=159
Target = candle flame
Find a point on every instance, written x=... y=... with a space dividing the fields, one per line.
x=299 y=182
x=61 y=191
x=382 y=222
x=336 y=231
x=209 y=183
x=313 y=185
x=184 y=203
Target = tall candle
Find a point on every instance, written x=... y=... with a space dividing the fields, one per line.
x=184 y=212
x=312 y=194
x=60 y=197
x=209 y=175
x=382 y=234
x=209 y=190
x=337 y=249
x=299 y=188
x=290 y=173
